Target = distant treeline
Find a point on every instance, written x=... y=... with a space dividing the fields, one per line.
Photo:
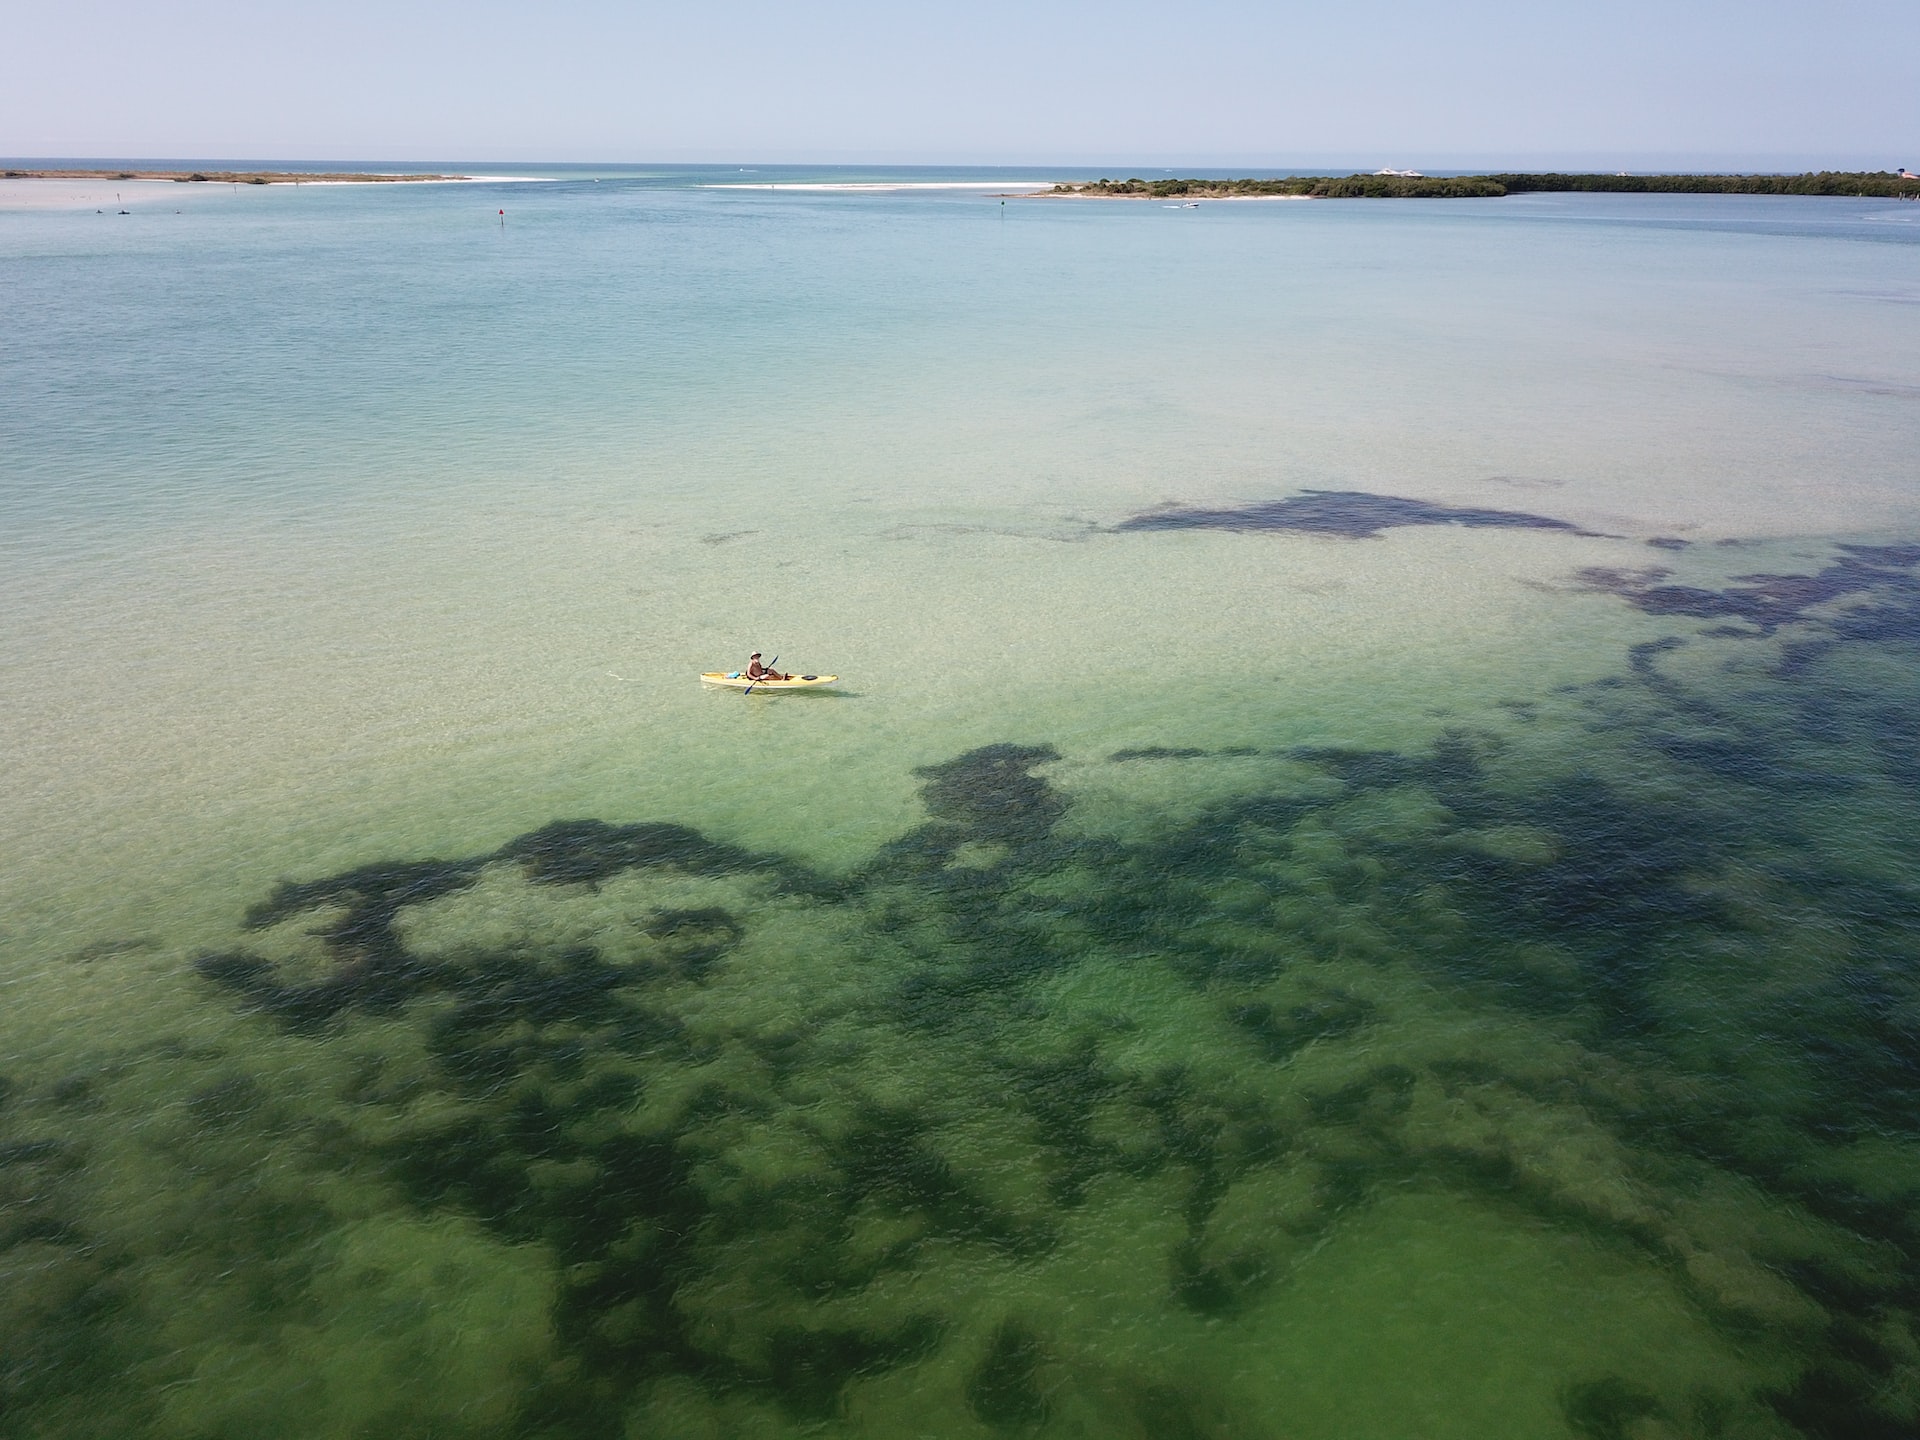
x=1881 y=184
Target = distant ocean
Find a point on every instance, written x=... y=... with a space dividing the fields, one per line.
x=1361 y=877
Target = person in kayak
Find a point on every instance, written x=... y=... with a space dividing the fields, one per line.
x=757 y=671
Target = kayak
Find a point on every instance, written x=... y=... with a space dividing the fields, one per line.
x=739 y=681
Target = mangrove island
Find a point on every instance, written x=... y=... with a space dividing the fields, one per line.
x=1886 y=184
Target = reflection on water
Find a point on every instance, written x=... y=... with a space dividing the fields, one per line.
x=1553 y=1079
x=1355 y=514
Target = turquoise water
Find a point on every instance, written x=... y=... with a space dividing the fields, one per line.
x=1339 y=970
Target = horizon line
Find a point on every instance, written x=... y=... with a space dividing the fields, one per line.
x=1682 y=161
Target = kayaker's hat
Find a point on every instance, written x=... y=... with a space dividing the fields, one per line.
x=754 y=656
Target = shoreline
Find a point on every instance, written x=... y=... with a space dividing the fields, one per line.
x=1403 y=185
x=1098 y=195
x=234 y=177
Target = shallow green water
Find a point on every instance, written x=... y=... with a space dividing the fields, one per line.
x=1457 y=982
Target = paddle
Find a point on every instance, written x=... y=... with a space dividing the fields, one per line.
x=749 y=689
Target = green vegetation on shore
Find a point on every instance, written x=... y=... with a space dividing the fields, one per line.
x=1878 y=184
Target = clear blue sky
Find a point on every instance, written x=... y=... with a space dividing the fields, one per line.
x=1210 y=81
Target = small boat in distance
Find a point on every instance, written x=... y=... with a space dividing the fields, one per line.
x=737 y=680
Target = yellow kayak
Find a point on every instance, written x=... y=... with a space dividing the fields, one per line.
x=739 y=681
